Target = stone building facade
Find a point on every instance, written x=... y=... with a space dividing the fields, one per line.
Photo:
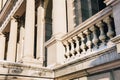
x=59 y=40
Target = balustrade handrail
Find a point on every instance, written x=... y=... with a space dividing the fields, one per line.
x=91 y=35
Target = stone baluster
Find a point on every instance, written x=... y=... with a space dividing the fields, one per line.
x=102 y=36
x=83 y=45
x=66 y=44
x=89 y=42
x=72 y=47
x=95 y=37
x=110 y=32
x=77 y=49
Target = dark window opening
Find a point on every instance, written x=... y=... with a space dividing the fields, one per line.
x=84 y=9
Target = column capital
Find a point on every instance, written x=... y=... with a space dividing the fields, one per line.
x=16 y=18
x=1 y=34
x=13 y=18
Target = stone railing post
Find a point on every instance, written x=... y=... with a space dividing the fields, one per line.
x=59 y=29
x=115 y=4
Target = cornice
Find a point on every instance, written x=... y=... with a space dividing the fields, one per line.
x=10 y=14
x=5 y=10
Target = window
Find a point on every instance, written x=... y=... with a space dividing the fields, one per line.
x=91 y=7
x=86 y=8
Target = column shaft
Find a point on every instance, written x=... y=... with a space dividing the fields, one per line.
x=59 y=17
x=70 y=14
x=40 y=33
x=20 y=44
x=29 y=29
x=2 y=46
x=11 y=53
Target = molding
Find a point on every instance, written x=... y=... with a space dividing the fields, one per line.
x=97 y=59
x=54 y=39
x=15 y=8
x=5 y=9
x=111 y=2
x=84 y=58
x=23 y=69
x=116 y=39
x=107 y=2
x=101 y=68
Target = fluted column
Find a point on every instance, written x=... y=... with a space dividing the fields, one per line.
x=29 y=30
x=40 y=32
x=2 y=46
x=11 y=53
x=59 y=17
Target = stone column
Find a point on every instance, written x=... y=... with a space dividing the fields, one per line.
x=29 y=30
x=55 y=48
x=20 y=44
x=59 y=17
x=40 y=33
x=2 y=46
x=70 y=14
x=11 y=53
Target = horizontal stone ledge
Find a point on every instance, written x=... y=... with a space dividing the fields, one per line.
x=19 y=69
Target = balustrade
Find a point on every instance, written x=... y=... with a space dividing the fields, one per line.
x=90 y=39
